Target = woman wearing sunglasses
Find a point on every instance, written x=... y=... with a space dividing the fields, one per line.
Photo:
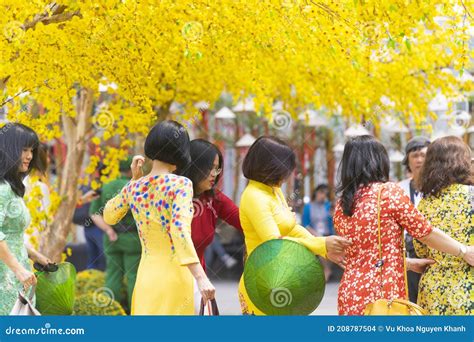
x=209 y=203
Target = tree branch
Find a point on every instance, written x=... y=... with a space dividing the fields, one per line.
x=58 y=15
x=13 y=97
x=465 y=8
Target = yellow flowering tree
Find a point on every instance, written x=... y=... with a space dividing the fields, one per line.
x=343 y=55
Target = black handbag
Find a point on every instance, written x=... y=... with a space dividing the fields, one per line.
x=212 y=309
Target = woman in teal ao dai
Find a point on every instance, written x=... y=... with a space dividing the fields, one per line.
x=18 y=152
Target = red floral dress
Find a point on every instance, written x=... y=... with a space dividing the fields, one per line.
x=360 y=284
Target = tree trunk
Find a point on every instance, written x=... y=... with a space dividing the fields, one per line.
x=330 y=162
x=163 y=112
x=312 y=168
x=54 y=238
x=139 y=147
x=237 y=162
x=302 y=159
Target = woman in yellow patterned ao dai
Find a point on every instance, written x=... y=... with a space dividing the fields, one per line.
x=161 y=205
x=447 y=287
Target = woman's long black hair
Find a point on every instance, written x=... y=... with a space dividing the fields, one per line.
x=364 y=161
x=14 y=138
x=203 y=154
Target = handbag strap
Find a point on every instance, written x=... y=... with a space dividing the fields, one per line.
x=23 y=296
x=380 y=261
x=212 y=307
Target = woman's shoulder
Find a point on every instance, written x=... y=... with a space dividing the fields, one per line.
x=457 y=188
x=388 y=187
x=254 y=190
x=5 y=189
x=249 y=193
x=454 y=191
x=219 y=196
x=457 y=193
x=388 y=190
x=393 y=193
x=6 y=192
x=452 y=197
x=171 y=180
x=160 y=182
x=393 y=186
x=179 y=179
x=217 y=199
x=177 y=182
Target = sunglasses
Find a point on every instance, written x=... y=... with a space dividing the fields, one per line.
x=216 y=172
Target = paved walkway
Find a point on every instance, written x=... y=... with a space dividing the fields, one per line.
x=228 y=301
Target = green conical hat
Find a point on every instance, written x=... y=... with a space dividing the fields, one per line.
x=55 y=291
x=283 y=277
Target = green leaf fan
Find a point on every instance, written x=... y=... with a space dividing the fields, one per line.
x=55 y=291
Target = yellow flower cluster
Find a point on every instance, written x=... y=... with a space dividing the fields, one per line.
x=344 y=55
x=39 y=217
x=97 y=304
x=88 y=281
x=42 y=210
x=110 y=157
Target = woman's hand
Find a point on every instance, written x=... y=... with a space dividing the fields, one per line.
x=89 y=196
x=42 y=259
x=27 y=278
x=136 y=167
x=418 y=265
x=207 y=290
x=469 y=256
x=38 y=257
x=111 y=234
x=335 y=246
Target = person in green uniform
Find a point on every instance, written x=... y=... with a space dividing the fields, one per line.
x=122 y=246
x=18 y=155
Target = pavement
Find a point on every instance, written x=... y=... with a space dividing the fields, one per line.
x=227 y=298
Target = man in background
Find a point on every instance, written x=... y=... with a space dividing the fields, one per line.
x=415 y=152
x=122 y=246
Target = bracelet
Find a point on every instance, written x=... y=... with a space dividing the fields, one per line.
x=462 y=251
